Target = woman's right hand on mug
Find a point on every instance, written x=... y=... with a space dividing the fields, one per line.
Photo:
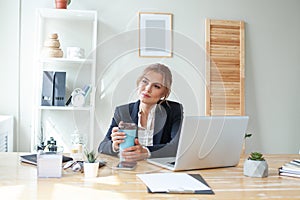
x=117 y=138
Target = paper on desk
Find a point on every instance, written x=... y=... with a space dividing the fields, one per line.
x=164 y=182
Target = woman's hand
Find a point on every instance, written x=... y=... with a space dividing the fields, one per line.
x=117 y=138
x=135 y=153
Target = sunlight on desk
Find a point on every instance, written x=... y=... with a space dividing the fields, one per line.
x=109 y=180
x=12 y=191
x=74 y=192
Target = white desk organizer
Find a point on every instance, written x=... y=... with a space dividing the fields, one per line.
x=49 y=165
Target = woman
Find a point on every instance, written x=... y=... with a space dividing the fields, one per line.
x=159 y=120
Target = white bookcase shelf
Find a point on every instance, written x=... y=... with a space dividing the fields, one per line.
x=59 y=14
x=66 y=61
x=71 y=108
x=75 y=28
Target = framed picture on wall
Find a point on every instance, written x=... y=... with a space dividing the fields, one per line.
x=155 y=34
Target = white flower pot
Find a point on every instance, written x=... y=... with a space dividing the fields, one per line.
x=90 y=169
x=254 y=168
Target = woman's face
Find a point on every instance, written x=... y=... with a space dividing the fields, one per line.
x=151 y=88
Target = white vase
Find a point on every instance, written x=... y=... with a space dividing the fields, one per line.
x=254 y=168
x=90 y=169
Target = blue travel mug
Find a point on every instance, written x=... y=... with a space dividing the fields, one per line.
x=130 y=130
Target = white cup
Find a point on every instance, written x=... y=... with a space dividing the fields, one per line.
x=75 y=53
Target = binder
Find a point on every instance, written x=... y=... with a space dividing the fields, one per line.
x=54 y=88
x=59 y=91
x=47 y=90
x=178 y=183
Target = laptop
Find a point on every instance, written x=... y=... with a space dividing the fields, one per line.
x=207 y=142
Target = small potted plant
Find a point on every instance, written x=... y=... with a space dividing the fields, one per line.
x=91 y=165
x=256 y=165
x=62 y=4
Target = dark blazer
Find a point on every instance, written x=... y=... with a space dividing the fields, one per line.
x=167 y=126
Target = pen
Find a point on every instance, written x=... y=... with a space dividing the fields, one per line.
x=181 y=191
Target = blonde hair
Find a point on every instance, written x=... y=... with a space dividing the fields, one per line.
x=164 y=71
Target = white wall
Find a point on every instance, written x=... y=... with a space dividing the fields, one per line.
x=9 y=56
x=272 y=61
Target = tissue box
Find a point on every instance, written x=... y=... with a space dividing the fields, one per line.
x=49 y=165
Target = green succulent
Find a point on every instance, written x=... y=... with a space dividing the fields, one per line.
x=256 y=156
x=69 y=1
x=91 y=156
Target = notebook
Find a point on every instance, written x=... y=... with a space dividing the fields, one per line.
x=207 y=142
x=31 y=159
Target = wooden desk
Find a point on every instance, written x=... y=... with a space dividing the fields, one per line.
x=19 y=181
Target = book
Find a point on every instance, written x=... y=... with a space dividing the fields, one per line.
x=289 y=174
x=295 y=162
x=31 y=159
x=291 y=168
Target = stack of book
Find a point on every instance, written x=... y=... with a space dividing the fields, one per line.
x=291 y=168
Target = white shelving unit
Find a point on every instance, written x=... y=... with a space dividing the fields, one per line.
x=75 y=28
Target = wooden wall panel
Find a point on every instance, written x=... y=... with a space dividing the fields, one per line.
x=225 y=67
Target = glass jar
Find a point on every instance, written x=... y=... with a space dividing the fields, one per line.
x=77 y=146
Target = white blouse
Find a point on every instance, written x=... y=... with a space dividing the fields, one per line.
x=145 y=134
